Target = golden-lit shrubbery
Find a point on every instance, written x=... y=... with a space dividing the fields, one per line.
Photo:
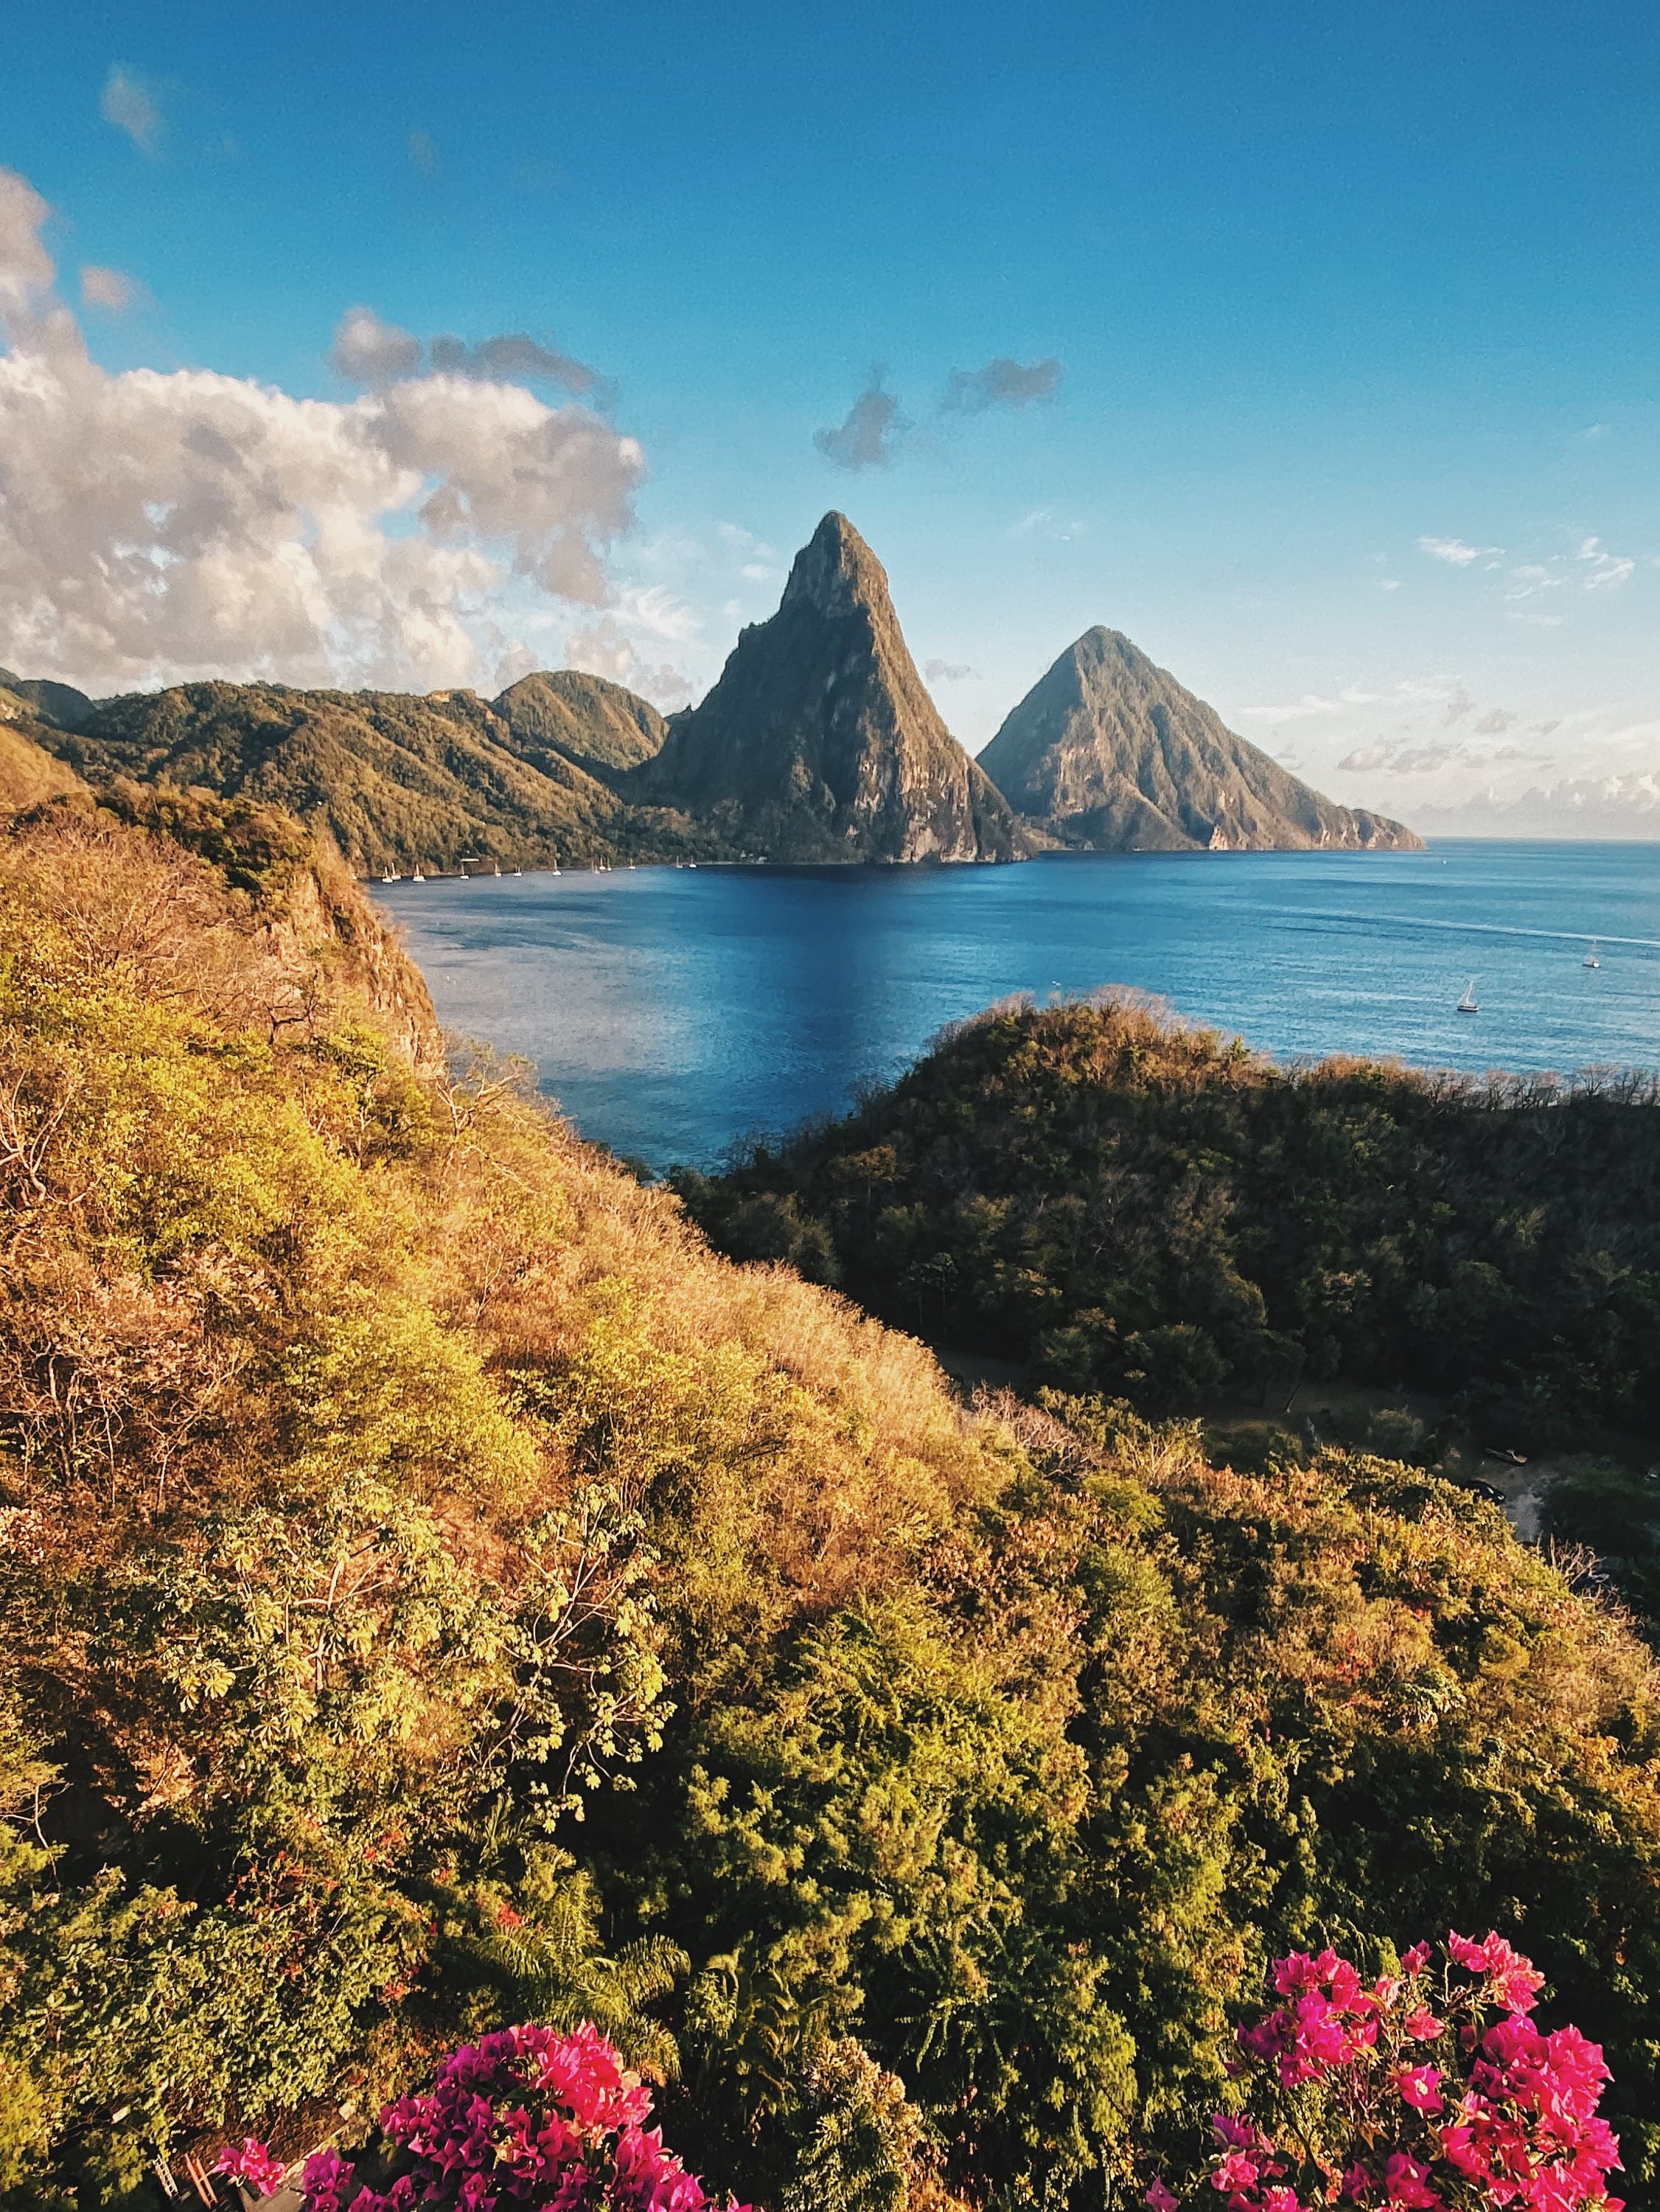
x=440 y=1590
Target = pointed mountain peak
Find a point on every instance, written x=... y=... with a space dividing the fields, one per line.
x=836 y=572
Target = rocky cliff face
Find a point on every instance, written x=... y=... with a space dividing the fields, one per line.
x=1108 y=751
x=819 y=743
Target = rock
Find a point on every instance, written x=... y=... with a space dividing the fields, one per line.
x=820 y=742
x=1109 y=752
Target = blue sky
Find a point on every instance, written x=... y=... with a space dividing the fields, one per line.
x=1353 y=315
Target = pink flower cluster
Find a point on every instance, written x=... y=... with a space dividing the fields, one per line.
x=253 y=2165
x=524 y=2118
x=1400 y=2093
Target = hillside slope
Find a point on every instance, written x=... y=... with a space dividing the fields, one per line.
x=386 y=1476
x=396 y=780
x=585 y=720
x=1108 y=751
x=819 y=742
x=1149 y=1210
x=28 y=772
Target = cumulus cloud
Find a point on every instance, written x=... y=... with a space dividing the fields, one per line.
x=1494 y=722
x=1457 y=707
x=107 y=289
x=366 y=350
x=948 y=672
x=1000 y=383
x=863 y=439
x=1455 y=552
x=1365 y=758
x=131 y=105
x=187 y=523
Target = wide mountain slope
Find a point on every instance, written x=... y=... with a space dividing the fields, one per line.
x=396 y=779
x=820 y=742
x=1109 y=751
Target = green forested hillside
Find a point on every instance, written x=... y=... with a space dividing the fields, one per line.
x=437 y=1590
x=597 y=725
x=396 y=780
x=1151 y=1210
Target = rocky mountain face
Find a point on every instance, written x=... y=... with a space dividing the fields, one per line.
x=1109 y=752
x=820 y=742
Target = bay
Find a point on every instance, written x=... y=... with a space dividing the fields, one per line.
x=672 y=1011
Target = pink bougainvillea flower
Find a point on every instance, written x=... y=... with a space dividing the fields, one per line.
x=1235 y=2173
x=1422 y=2026
x=1357 y=2183
x=1414 y=1960
x=1420 y=2087
x=1405 y=2182
x=253 y=2163
x=1159 y=2198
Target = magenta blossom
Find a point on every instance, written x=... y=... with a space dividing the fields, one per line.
x=524 y=2120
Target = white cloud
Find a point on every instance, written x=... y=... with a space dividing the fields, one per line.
x=189 y=524
x=1388 y=583
x=1454 y=551
x=949 y=672
x=107 y=289
x=1495 y=722
x=131 y=105
x=1365 y=758
x=1607 y=571
x=366 y=350
x=603 y=648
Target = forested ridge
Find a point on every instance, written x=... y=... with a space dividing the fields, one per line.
x=439 y=1591
x=1144 y=1207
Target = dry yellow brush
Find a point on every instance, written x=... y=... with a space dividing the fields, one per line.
x=439 y=1592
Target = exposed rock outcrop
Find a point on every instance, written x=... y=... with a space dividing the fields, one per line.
x=820 y=742
x=1109 y=752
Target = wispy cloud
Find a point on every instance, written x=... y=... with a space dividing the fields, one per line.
x=1000 y=383
x=948 y=672
x=368 y=350
x=132 y=104
x=109 y=289
x=864 y=437
x=1455 y=552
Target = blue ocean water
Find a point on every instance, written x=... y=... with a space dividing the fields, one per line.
x=672 y=1011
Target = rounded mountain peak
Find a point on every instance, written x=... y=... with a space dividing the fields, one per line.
x=836 y=572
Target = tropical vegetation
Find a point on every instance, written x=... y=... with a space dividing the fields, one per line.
x=1133 y=1205
x=439 y=1591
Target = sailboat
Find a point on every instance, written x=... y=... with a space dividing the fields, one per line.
x=391 y=876
x=496 y=871
x=553 y=870
x=415 y=876
x=1467 y=1004
x=1593 y=958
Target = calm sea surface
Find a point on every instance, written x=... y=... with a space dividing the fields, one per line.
x=672 y=1011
